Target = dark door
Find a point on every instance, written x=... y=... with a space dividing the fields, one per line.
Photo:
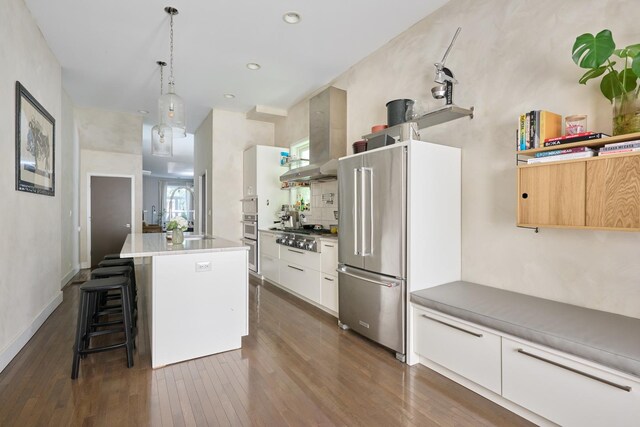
x=110 y=215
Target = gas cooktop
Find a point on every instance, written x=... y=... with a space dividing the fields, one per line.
x=305 y=231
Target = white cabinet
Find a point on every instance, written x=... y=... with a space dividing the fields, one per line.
x=329 y=292
x=329 y=265
x=311 y=260
x=268 y=245
x=300 y=279
x=470 y=352
x=565 y=391
x=261 y=179
x=269 y=268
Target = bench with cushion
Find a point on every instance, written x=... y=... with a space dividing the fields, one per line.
x=568 y=364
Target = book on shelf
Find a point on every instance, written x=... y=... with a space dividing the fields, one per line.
x=536 y=126
x=619 y=150
x=562 y=151
x=559 y=157
x=567 y=139
x=625 y=144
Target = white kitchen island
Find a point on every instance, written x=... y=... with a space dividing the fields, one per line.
x=194 y=295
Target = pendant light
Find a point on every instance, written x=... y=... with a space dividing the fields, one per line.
x=170 y=105
x=161 y=134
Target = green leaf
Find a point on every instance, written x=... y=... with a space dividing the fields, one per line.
x=628 y=79
x=620 y=53
x=591 y=52
x=635 y=65
x=592 y=74
x=610 y=85
x=633 y=50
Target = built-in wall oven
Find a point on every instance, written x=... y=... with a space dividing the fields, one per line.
x=250 y=205
x=250 y=238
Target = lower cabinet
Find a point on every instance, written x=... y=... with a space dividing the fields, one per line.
x=547 y=383
x=469 y=352
x=567 y=392
x=269 y=267
x=301 y=280
x=329 y=292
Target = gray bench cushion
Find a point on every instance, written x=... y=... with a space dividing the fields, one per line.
x=606 y=338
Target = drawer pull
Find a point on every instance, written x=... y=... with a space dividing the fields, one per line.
x=329 y=246
x=326 y=278
x=295 y=268
x=584 y=374
x=475 y=334
x=298 y=252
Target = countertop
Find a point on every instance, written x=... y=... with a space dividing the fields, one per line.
x=333 y=237
x=152 y=244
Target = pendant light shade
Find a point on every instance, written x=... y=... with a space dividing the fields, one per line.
x=170 y=105
x=171 y=108
x=162 y=141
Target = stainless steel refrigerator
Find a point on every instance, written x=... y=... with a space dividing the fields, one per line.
x=373 y=245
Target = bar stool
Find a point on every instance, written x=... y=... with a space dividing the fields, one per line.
x=102 y=302
x=122 y=262
x=87 y=323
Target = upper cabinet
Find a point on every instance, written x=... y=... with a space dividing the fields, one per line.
x=601 y=192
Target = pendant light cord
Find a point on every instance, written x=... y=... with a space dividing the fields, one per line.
x=171 y=51
x=161 y=78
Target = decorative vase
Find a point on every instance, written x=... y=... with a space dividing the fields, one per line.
x=626 y=113
x=178 y=236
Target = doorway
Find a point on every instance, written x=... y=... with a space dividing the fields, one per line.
x=110 y=215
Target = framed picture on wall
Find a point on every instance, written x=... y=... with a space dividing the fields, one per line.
x=35 y=145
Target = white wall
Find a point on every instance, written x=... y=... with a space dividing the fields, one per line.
x=69 y=188
x=219 y=143
x=202 y=164
x=110 y=144
x=512 y=56
x=30 y=250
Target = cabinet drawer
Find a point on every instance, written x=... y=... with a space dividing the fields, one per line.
x=329 y=292
x=329 y=254
x=269 y=268
x=268 y=245
x=565 y=391
x=301 y=280
x=301 y=257
x=465 y=350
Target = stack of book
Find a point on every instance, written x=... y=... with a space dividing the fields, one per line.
x=620 y=147
x=562 y=154
x=536 y=126
x=578 y=137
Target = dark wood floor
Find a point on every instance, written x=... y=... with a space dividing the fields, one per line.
x=296 y=368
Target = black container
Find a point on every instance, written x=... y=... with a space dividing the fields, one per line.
x=397 y=111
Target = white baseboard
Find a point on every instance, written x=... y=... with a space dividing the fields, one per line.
x=10 y=351
x=85 y=265
x=68 y=277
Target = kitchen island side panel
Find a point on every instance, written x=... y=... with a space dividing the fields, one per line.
x=199 y=305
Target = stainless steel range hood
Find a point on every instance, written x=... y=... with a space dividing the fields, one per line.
x=327 y=137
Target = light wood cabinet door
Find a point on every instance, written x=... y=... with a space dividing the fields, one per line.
x=552 y=194
x=613 y=192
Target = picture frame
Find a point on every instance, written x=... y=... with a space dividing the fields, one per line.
x=35 y=145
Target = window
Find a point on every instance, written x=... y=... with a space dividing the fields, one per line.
x=177 y=200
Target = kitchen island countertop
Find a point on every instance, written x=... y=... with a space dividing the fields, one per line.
x=152 y=244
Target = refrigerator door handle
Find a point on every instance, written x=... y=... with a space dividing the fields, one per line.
x=356 y=211
x=367 y=211
x=355 y=276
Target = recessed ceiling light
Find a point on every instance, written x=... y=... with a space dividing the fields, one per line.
x=229 y=95
x=253 y=66
x=143 y=112
x=291 y=17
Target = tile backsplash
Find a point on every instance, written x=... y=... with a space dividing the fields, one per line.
x=324 y=201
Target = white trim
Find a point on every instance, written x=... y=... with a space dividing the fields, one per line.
x=13 y=348
x=90 y=175
x=68 y=277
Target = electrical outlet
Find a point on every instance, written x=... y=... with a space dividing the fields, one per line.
x=203 y=266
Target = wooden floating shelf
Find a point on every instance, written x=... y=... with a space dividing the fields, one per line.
x=588 y=143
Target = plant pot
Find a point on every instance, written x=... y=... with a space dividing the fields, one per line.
x=626 y=113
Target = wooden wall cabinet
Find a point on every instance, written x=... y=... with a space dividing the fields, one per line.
x=601 y=192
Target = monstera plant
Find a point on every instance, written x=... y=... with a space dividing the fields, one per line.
x=619 y=68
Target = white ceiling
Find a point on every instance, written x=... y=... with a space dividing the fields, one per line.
x=108 y=50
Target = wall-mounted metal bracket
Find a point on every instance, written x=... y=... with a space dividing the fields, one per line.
x=536 y=229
